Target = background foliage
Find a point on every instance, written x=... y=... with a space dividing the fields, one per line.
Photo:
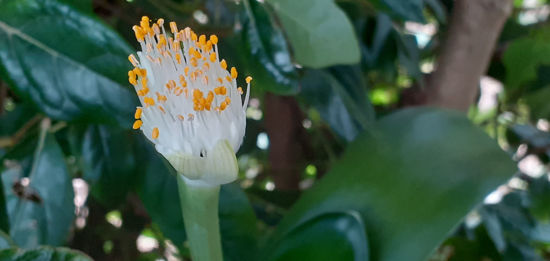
x=369 y=178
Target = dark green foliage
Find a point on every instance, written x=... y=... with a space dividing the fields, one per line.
x=380 y=182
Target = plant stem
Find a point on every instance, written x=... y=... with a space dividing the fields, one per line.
x=199 y=205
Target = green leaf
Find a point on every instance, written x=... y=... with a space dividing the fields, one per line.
x=43 y=254
x=538 y=103
x=267 y=43
x=72 y=66
x=237 y=224
x=39 y=195
x=5 y=240
x=412 y=179
x=409 y=10
x=158 y=191
x=524 y=56
x=320 y=33
x=108 y=163
x=331 y=236
x=339 y=94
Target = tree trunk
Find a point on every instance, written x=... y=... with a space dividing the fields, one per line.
x=474 y=29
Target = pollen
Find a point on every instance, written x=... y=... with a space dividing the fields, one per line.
x=214 y=39
x=186 y=78
x=149 y=101
x=137 y=124
x=137 y=115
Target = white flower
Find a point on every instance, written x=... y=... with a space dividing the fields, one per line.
x=192 y=109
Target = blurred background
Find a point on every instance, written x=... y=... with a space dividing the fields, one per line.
x=325 y=72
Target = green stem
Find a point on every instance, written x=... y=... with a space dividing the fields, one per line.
x=199 y=204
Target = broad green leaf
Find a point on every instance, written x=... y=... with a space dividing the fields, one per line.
x=72 y=66
x=538 y=103
x=158 y=191
x=412 y=179
x=267 y=43
x=524 y=56
x=331 y=236
x=108 y=163
x=39 y=195
x=237 y=224
x=319 y=32
x=43 y=254
x=5 y=240
x=339 y=94
x=409 y=10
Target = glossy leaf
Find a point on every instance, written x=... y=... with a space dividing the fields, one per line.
x=339 y=94
x=410 y=10
x=523 y=56
x=39 y=196
x=418 y=173
x=237 y=224
x=69 y=64
x=267 y=43
x=320 y=33
x=43 y=254
x=108 y=163
x=331 y=236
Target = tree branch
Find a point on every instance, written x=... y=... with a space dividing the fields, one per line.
x=474 y=29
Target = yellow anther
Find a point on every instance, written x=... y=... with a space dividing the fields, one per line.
x=186 y=70
x=144 y=22
x=161 y=98
x=202 y=40
x=149 y=101
x=206 y=66
x=133 y=60
x=194 y=62
x=143 y=72
x=213 y=57
x=178 y=91
x=143 y=91
x=223 y=64
x=155 y=133
x=220 y=80
x=248 y=79
x=223 y=105
x=160 y=22
x=137 y=115
x=228 y=78
x=208 y=46
x=173 y=27
x=214 y=39
x=156 y=29
x=227 y=100
x=144 y=82
x=176 y=45
x=178 y=58
x=197 y=93
x=190 y=116
x=161 y=109
x=193 y=36
x=137 y=124
x=140 y=34
x=233 y=72
x=132 y=77
x=240 y=89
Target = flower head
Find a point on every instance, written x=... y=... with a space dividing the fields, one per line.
x=192 y=109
